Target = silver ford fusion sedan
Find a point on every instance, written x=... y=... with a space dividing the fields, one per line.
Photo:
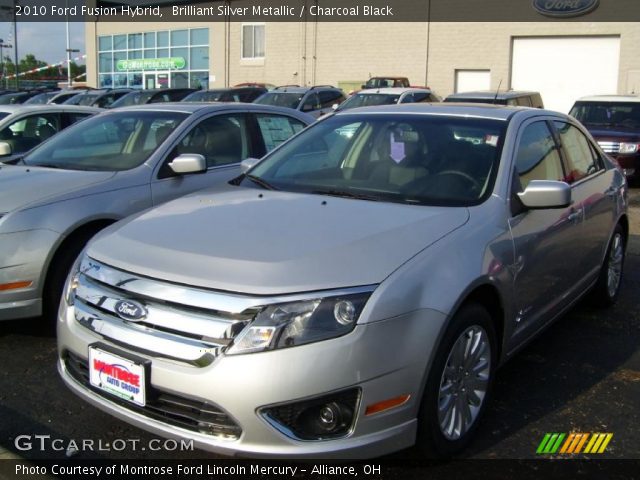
x=354 y=292
x=110 y=166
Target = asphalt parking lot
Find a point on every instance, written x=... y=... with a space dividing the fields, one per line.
x=581 y=375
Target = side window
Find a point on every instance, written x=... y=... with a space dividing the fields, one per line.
x=513 y=102
x=537 y=156
x=28 y=132
x=222 y=140
x=276 y=129
x=73 y=117
x=311 y=103
x=420 y=97
x=328 y=98
x=524 y=101
x=581 y=160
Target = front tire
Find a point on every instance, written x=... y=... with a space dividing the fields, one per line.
x=459 y=383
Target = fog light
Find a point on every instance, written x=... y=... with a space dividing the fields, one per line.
x=330 y=416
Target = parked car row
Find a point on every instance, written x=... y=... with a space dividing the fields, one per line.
x=265 y=284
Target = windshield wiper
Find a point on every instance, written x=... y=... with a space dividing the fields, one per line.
x=343 y=194
x=259 y=181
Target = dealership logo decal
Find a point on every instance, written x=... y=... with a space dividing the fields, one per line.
x=560 y=443
x=130 y=310
x=565 y=8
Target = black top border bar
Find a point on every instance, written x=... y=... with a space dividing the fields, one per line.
x=176 y=11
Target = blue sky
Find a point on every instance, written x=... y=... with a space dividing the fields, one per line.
x=46 y=40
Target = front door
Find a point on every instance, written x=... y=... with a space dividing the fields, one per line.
x=157 y=80
x=150 y=81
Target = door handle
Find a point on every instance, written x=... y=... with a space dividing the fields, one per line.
x=575 y=215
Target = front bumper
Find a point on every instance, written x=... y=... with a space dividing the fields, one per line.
x=383 y=359
x=22 y=258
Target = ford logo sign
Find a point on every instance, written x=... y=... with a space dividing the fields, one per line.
x=565 y=8
x=130 y=310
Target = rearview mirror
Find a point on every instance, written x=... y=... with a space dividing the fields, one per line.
x=5 y=149
x=189 y=163
x=247 y=164
x=546 y=194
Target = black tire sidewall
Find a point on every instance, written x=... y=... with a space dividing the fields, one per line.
x=430 y=439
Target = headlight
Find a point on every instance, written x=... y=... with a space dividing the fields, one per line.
x=71 y=285
x=628 y=148
x=297 y=323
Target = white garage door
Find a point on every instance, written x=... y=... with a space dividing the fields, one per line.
x=563 y=69
x=471 y=80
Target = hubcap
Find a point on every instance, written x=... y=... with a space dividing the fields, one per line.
x=464 y=382
x=614 y=266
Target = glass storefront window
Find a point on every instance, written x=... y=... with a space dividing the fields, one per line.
x=199 y=80
x=135 y=40
x=120 y=42
x=183 y=53
x=133 y=54
x=105 y=43
x=150 y=40
x=105 y=62
x=199 y=58
x=120 y=80
x=135 y=79
x=199 y=36
x=150 y=53
x=163 y=39
x=105 y=80
x=179 y=80
x=179 y=38
x=163 y=52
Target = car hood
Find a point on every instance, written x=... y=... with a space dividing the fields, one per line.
x=614 y=133
x=266 y=243
x=21 y=186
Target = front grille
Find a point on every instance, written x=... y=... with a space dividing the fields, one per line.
x=201 y=417
x=610 y=147
x=180 y=323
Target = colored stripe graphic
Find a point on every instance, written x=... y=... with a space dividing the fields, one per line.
x=555 y=443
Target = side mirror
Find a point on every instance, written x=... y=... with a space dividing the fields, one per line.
x=189 y=163
x=247 y=164
x=5 y=149
x=363 y=86
x=546 y=194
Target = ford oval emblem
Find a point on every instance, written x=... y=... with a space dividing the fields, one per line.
x=130 y=310
x=565 y=8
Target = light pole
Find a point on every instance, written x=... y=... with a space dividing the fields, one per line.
x=69 y=52
x=15 y=40
x=2 y=47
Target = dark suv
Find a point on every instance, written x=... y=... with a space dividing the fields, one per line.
x=317 y=100
x=510 y=97
x=614 y=121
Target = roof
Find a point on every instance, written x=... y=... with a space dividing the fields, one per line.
x=286 y=89
x=195 y=107
x=496 y=112
x=20 y=108
x=610 y=98
x=391 y=90
x=492 y=94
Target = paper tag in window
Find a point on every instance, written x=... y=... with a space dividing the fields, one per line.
x=397 y=150
x=491 y=140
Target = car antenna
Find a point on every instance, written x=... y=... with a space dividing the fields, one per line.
x=495 y=99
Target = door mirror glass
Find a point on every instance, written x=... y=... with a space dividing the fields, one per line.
x=546 y=194
x=189 y=163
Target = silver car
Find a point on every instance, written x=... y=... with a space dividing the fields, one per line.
x=110 y=166
x=355 y=291
x=23 y=127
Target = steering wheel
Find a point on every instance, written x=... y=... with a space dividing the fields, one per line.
x=468 y=178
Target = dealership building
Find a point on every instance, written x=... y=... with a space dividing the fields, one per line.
x=563 y=59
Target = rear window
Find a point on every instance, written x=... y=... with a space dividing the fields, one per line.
x=622 y=114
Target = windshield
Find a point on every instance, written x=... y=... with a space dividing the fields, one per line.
x=415 y=159
x=112 y=142
x=369 y=99
x=608 y=113
x=41 y=98
x=133 y=98
x=206 y=96
x=281 y=99
x=83 y=99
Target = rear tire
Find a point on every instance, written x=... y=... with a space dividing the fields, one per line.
x=607 y=287
x=459 y=385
